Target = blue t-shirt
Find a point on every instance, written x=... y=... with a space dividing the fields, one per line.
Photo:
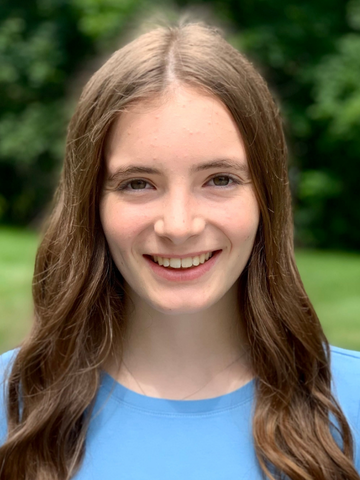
x=135 y=437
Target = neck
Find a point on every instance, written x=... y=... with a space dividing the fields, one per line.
x=171 y=355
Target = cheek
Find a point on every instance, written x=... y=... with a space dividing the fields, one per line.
x=243 y=236
x=242 y=223
x=122 y=226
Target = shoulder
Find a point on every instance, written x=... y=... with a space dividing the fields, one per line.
x=345 y=366
x=345 y=369
x=6 y=361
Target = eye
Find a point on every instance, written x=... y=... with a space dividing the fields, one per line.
x=136 y=184
x=224 y=180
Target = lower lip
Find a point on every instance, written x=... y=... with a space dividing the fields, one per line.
x=183 y=274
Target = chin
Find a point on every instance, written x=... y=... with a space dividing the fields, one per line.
x=180 y=307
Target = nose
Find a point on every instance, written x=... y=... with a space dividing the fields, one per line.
x=180 y=218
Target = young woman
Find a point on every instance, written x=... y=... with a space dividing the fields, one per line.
x=173 y=337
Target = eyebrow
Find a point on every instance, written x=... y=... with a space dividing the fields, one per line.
x=239 y=167
x=140 y=169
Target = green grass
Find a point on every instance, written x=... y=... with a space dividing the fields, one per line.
x=331 y=279
x=17 y=253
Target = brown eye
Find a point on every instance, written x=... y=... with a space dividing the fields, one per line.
x=221 y=180
x=138 y=184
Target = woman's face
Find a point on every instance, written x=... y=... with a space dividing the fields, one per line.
x=177 y=187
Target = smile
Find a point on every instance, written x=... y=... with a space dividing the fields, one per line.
x=174 y=272
x=182 y=262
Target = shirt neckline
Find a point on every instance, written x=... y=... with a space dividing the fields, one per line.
x=136 y=400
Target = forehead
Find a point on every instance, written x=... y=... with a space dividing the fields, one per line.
x=184 y=126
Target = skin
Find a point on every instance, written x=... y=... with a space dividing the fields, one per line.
x=180 y=334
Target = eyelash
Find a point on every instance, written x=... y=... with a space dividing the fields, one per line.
x=124 y=185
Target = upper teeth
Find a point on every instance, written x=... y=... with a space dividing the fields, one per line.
x=182 y=262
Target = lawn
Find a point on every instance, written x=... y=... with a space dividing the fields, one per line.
x=331 y=279
x=17 y=252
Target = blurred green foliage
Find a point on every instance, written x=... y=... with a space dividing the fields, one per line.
x=308 y=50
x=40 y=46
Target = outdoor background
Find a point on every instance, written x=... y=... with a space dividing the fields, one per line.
x=309 y=52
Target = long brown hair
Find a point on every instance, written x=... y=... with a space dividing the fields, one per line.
x=79 y=298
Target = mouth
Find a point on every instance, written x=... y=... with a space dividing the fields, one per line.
x=182 y=263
